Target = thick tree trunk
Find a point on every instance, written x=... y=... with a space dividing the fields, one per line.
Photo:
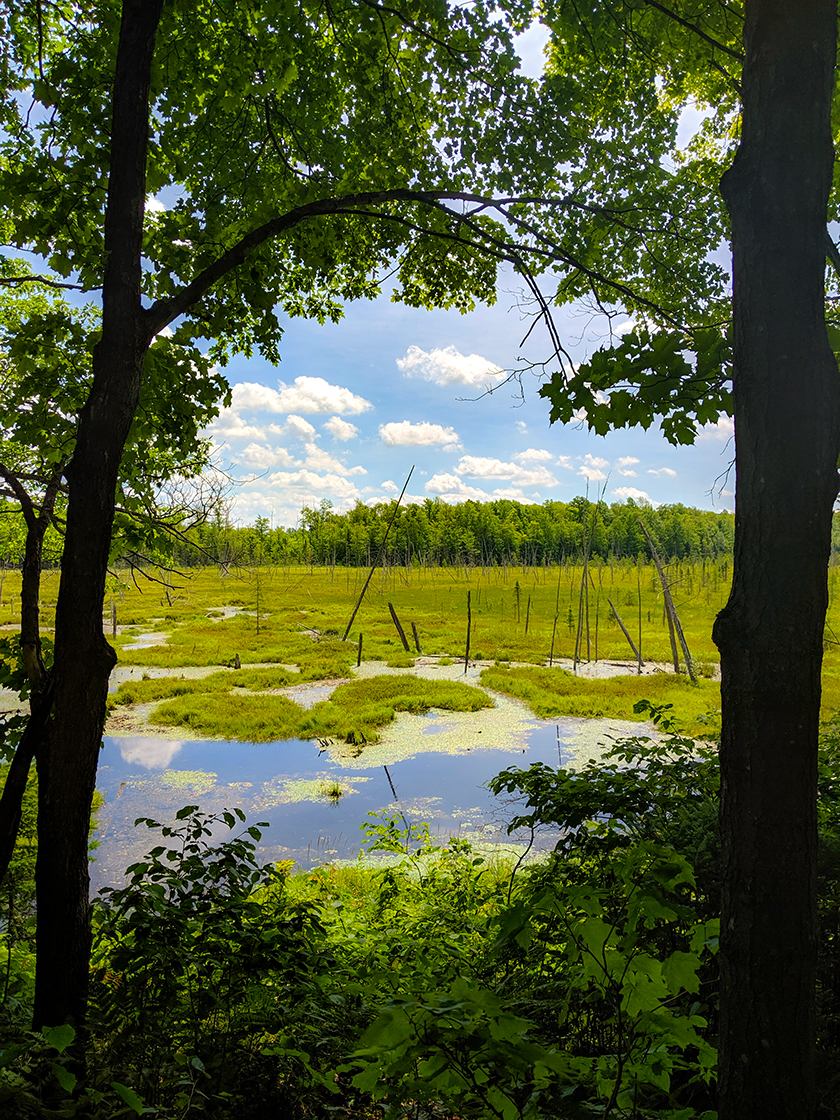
x=67 y=759
x=770 y=634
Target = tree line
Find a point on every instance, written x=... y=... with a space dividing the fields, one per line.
x=470 y=533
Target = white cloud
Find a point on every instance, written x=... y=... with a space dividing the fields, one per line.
x=636 y=495
x=624 y=465
x=514 y=494
x=521 y=426
x=624 y=328
x=259 y=456
x=565 y=462
x=308 y=394
x=230 y=425
x=299 y=427
x=403 y=433
x=534 y=455
x=317 y=459
x=663 y=470
x=724 y=429
x=154 y=205
x=476 y=466
x=593 y=468
x=452 y=489
x=340 y=429
x=311 y=487
x=448 y=367
x=389 y=487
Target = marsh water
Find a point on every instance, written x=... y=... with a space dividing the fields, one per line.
x=293 y=786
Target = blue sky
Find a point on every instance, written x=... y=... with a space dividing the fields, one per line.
x=354 y=405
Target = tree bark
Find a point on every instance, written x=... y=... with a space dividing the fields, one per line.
x=67 y=758
x=770 y=634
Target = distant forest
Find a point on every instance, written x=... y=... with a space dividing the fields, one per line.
x=435 y=533
x=470 y=533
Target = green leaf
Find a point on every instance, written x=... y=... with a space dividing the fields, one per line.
x=59 y=1038
x=132 y=1099
x=66 y=1079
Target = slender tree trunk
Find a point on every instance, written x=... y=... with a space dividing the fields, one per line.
x=40 y=683
x=83 y=659
x=787 y=420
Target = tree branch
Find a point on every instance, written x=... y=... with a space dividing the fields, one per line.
x=738 y=55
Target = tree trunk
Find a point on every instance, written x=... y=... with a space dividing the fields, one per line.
x=67 y=759
x=787 y=424
x=40 y=683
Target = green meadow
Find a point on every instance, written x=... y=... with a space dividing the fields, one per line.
x=288 y=624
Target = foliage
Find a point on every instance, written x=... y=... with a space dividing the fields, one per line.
x=193 y=961
x=582 y=985
x=498 y=532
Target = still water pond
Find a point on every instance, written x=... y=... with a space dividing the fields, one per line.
x=288 y=785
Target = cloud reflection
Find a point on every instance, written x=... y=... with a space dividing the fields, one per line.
x=153 y=754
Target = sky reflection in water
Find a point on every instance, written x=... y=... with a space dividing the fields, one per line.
x=285 y=784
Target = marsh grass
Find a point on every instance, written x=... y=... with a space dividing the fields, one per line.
x=554 y=692
x=355 y=712
x=252 y=680
x=303 y=612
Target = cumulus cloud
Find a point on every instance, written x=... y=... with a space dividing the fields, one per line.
x=534 y=455
x=663 y=471
x=390 y=487
x=317 y=459
x=229 y=425
x=593 y=468
x=624 y=328
x=298 y=427
x=477 y=466
x=260 y=456
x=638 y=496
x=312 y=487
x=341 y=430
x=723 y=430
x=448 y=367
x=403 y=433
x=521 y=426
x=450 y=488
x=565 y=462
x=308 y=395
x=513 y=493
x=626 y=461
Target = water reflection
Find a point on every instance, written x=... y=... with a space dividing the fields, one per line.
x=152 y=754
x=314 y=800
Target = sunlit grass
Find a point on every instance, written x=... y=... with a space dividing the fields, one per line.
x=552 y=693
x=304 y=613
x=355 y=712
